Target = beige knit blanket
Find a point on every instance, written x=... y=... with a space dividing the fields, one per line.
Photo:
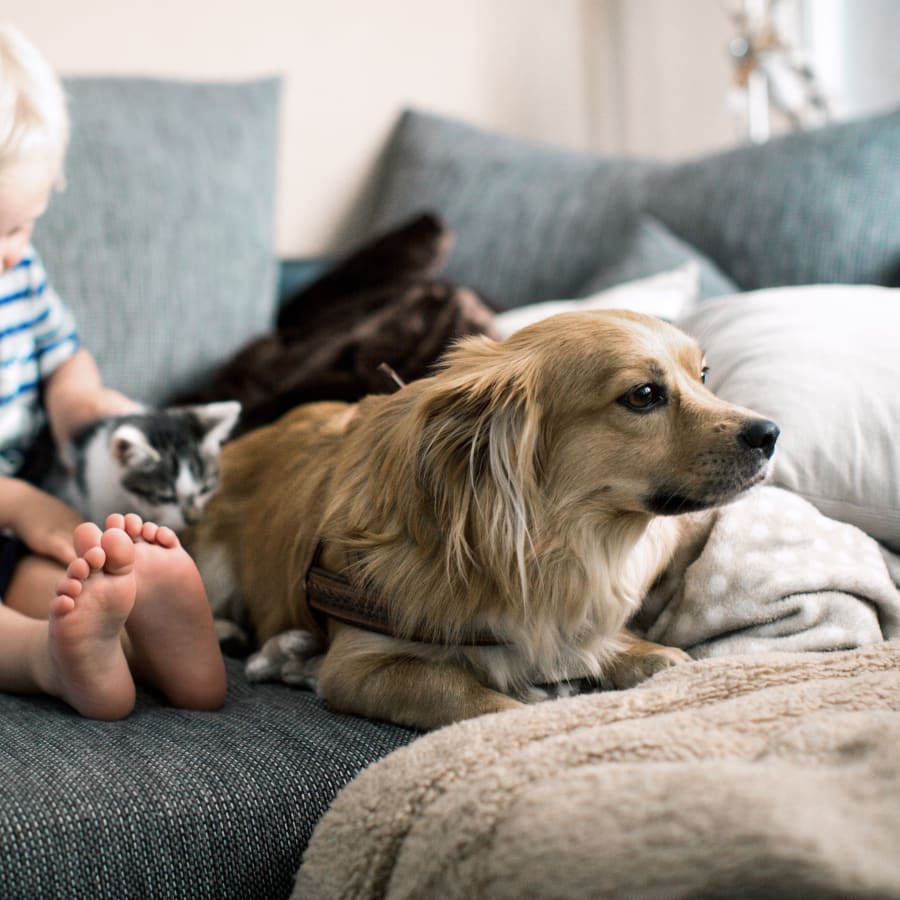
x=774 y=775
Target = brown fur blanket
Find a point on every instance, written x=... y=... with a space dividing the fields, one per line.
x=383 y=304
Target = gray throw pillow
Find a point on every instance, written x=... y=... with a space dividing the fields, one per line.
x=814 y=207
x=162 y=242
x=652 y=249
x=532 y=222
x=536 y=222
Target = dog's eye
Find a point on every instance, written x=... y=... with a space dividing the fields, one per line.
x=703 y=373
x=642 y=397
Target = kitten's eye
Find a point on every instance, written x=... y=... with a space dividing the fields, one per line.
x=703 y=373
x=166 y=498
x=642 y=398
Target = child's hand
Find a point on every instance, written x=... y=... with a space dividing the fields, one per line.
x=44 y=524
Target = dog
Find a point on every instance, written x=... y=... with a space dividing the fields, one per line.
x=504 y=516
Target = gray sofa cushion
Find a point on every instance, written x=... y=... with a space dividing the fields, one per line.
x=170 y=803
x=162 y=243
x=652 y=249
x=809 y=208
x=532 y=222
x=537 y=223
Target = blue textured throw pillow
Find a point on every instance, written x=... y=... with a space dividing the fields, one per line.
x=652 y=249
x=162 y=243
x=532 y=222
x=814 y=207
x=536 y=222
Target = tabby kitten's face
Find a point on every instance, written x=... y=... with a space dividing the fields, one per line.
x=165 y=464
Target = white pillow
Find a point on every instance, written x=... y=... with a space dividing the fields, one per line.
x=667 y=296
x=824 y=362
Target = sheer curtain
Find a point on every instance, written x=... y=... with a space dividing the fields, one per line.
x=853 y=46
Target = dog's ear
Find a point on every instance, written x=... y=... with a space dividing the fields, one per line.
x=478 y=460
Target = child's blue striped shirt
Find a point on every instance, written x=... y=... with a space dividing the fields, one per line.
x=37 y=334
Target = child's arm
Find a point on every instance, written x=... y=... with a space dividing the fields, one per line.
x=74 y=395
x=43 y=523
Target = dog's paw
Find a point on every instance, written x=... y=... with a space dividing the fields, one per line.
x=632 y=668
x=233 y=640
x=292 y=657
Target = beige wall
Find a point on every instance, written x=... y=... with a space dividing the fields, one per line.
x=645 y=76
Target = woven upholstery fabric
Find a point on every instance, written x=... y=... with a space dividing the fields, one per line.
x=537 y=222
x=809 y=208
x=170 y=803
x=652 y=249
x=531 y=222
x=162 y=243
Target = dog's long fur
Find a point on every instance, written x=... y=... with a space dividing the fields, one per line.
x=524 y=489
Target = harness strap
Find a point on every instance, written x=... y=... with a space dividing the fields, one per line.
x=333 y=596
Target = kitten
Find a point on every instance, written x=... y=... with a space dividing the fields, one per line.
x=160 y=464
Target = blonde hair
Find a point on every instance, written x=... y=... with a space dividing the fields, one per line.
x=34 y=122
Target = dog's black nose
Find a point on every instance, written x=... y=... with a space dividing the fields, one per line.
x=761 y=434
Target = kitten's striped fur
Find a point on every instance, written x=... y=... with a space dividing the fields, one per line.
x=161 y=464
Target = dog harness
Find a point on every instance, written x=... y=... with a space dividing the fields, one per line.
x=332 y=596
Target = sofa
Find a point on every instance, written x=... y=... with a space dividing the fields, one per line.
x=163 y=245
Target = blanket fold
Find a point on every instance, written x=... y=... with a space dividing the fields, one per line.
x=775 y=574
x=769 y=775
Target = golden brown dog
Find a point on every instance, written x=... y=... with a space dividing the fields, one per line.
x=530 y=489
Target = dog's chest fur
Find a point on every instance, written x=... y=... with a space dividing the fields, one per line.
x=571 y=631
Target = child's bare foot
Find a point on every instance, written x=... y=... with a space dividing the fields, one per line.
x=172 y=643
x=88 y=668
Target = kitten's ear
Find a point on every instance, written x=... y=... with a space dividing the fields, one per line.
x=130 y=448
x=217 y=420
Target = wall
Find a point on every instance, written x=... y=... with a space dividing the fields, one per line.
x=349 y=67
x=668 y=76
x=649 y=77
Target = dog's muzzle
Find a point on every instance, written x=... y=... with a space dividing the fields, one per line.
x=756 y=444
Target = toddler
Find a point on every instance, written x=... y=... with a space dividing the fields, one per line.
x=82 y=611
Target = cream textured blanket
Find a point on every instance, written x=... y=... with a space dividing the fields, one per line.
x=746 y=776
x=775 y=574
